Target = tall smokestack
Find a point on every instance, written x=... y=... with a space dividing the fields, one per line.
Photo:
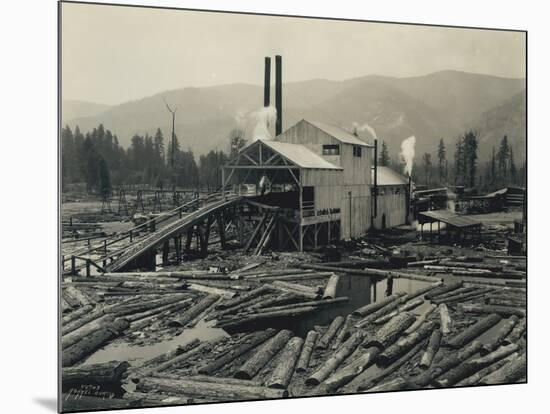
x=267 y=82
x=375 y=209
x=279 y=94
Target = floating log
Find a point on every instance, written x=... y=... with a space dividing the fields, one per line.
x=155 y=311
x=296 y=276
x=420 y=319
x=473 y=331
x=380 y=312
x=447 y=287
x=422 y=291
x=475 y=266
x=330 y=289
x=404 y=344
x=194 y=311
x=446 y=322
x=498 y=338
x=306 y=291
x=344 y=333
x=246 y=297
x=76 y=324
x=219 y=390
x=78 y=295
x=364 y=382
x=180 y=358
x=510 y=372
x=403 y=308
x=76 y=315
x=372 y=307
x=167 y=356
x=446 y=364
x=336 y=359
x=330 y=333
x=504 y=311
x=520 y=303
x=85 y=330
x=350 y=371
x=431 y=349
x=475 y=378
x=474 y=365
x=252 y=342
x=126 y=309
x=463 y=296
x=108 y=374
x=92 y=342
x=396 y=384
x=392 y=330
x=421 y=263
x=269 y=273
x=284 y=299
x=282 y=373
x=317 y=303
x=256 y=318
x=455 y=292
x=266 y=352
x=211 y=290
x=516 y=333
x=307 y=349
x=243 y=307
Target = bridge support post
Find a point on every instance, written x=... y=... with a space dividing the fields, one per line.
x=165 y=250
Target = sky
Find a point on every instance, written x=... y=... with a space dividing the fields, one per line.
x=113 y=54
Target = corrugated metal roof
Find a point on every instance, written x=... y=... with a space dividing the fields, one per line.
x=300 y=155
x=339 y=133
x=387 y=176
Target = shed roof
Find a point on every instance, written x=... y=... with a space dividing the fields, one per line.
x=387 y=176
x=300 y=155
x=450 y=218
x=338 y=133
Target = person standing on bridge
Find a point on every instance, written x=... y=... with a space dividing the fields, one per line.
x=263 y=184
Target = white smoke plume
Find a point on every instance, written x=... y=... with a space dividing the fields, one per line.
x=264 y=119
x=451 y=197
x=407 y=153
x=365 y=127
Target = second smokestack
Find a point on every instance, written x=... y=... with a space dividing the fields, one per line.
x=279 y=94
x=267 y=82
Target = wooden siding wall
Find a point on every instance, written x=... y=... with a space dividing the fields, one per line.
x=393 y=205
x=356 y=222
x=328 y=186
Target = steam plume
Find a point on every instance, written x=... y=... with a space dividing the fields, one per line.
x=365 y=127
x=407 y=153
x=264 y=117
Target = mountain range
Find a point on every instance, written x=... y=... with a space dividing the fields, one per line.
x=439 y=105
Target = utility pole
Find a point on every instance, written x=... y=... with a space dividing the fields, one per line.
x=172 y=156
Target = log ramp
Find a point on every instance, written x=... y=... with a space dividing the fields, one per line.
x=425 y=338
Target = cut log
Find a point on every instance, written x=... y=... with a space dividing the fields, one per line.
x=251 y=343
x=85 y=330
x=77 y=323
x=306 y=291
x=243 y=307
x=518 y=303
x=106 y=375
x=404 y=344
x=463 y=296
x=330 y=333
x=282 y=373
x=447 y=287
x=396 y=384
x=350 y=371
x=474 y=365
x=432 y=348
x=508 y=373
x=372 y=307
x=344 y=333
x=146 y=364
x=330 y=289
x=459 y=291
x=391 y=331
x=364 y=382
x=504 y=311
x=475 y=378
x=219 y=390
x=194 y=311
x=171 y=306
x=246 y=297
x=179 y=359
x=263 y=355
x=380 y=312
x=446 y=322
x=211 y=290
x=284 y=299
x=307 y=349
x=127 y=309
x=498 y=338
x=517 y=333
x=446 y=364
x=402 y=308
x=78 y=295
x=420 y=319
x=297 y=276
x=92 y=342
x=334 y=361
x=317 y=303
x=258 y=318
x=473 y=331
x=422 y=291
x=77 y=314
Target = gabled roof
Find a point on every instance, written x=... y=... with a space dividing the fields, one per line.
x=387 y=176
x=338 y=133
x=300 y=155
